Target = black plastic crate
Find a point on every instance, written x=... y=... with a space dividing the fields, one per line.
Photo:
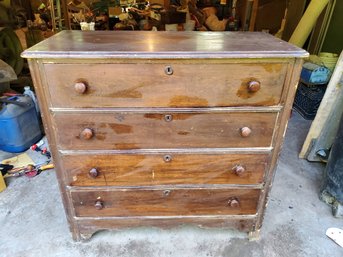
x=307 y=100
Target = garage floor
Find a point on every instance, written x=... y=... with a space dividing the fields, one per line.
x=32 y=220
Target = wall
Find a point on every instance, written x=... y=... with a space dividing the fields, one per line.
x=333 y=42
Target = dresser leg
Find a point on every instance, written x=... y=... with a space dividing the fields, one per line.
x=81 y=236
x=254 y=235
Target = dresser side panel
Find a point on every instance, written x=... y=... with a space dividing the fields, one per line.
x=289 y=94
x=39 y=81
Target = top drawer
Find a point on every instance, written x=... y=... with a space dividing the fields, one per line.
x=165 y=85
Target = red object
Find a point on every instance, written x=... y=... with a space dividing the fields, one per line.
x=35 y=148
x=10 y=94
x=31 y=173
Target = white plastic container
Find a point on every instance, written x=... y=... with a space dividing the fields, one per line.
x=29 y=92
x=87 y=26
x=189 y=25
x=171 y=27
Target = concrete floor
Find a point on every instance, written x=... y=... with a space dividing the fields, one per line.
x=32 y=220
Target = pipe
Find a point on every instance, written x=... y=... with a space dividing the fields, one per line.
x=307 y=22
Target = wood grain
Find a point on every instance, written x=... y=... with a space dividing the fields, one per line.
x=151 y=130
x=125 y=98
x=147 y=85
x=148 y=170
x=326 y=123
x=162 y=202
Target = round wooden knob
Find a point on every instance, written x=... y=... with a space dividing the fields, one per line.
x=93 y=173
x=80 y=87
x=239 y=170
x=245 y=131
x=87 y=133
x=254 y=86
x=99 y=205
x=233 y=202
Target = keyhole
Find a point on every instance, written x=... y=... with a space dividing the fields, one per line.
x=167 y=158
x=168 y=70
x=166 y=192
x=168 y=117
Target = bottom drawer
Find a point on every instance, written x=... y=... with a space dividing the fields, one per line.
x=165 y=202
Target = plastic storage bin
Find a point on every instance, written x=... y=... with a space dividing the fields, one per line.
x=19 y=124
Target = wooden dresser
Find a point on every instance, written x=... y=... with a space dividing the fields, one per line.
x=164 y=128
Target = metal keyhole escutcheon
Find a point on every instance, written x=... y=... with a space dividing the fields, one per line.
x=168 y=117
x=166 y=192
x=167 y=158
x=168 y=70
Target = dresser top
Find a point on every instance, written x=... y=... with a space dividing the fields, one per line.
x=162 y=44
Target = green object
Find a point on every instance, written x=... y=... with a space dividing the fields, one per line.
x=333 y=42
x=10 y=49
x=42 y=6
x=6 y=3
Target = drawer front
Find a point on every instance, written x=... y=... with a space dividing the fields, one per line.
x=81 y=131
x=149 y=85
x=173 y=202
x=164 y=169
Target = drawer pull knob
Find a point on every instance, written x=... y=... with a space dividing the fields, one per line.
x=93 y=173
x=254 y=86
x=87 y=133
x=245 y=131
x=168 y=117
x=99 y=205
x=168 y=70
x=233 y=202
x=239 y=170
x=167 y=158
x=80 y=87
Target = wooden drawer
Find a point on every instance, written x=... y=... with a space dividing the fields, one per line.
x=164 y=169
x=107 y=131
x=165 y=202
x=148 y=85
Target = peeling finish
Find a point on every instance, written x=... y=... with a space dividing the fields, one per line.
x=243 y=91
x=183 y=133
x=191 y=100
x=127 y=93
x=273 y=68
x=120 y=128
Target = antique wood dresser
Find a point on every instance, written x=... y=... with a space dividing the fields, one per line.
x=164 y=128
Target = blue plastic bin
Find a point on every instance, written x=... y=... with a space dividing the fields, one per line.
x=19 y=124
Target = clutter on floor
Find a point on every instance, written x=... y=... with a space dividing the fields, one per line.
x=24 y=165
